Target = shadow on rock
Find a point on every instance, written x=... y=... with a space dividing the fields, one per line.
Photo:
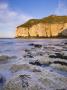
x=2 y=79
x=24 y=79
x=35 y=45
x=39 y=64
x=58 y=55
x=28 y=56
x=60 y=62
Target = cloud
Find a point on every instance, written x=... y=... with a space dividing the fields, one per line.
x=9 y=19
x=62 y=8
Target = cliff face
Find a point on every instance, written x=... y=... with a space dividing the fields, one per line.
x=42 y=29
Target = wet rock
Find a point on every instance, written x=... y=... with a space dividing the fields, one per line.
x=36 y=63
x=2 y=82
x=31 y=44
x=52 y=56
x=36 y=70
x=49 y=48
x=28 y=56
x=18 y=67
x=43 y=80
x=39 y=64
x=26 y=50
x=23 y=82
x=60 y=44
x=35 y=45
x=42 y=60
x=64 y=48
x=58 y=55
x=12 y=57
x=24 y=79
x=65 y=43
x=52 y=81
x=36 y=53
x=61 y=89
x=59 y=66
x=2 y=79
x=60 y=62
x=5 y=57
x=48 y=82
x=40 y=53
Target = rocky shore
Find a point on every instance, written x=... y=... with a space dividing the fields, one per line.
x=40 y=67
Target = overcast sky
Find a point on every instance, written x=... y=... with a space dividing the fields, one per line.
x=16 y=12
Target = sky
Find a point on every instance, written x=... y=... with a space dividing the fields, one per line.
x=15 y=12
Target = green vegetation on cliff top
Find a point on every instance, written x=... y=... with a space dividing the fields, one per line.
x=50 y=20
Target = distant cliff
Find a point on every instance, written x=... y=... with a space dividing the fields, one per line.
x=51 y=26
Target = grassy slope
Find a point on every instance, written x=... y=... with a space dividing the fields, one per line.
x=50 y=19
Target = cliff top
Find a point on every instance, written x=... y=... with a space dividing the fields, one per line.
x=50 y=20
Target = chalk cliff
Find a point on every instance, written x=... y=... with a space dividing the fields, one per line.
x=51 y=26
